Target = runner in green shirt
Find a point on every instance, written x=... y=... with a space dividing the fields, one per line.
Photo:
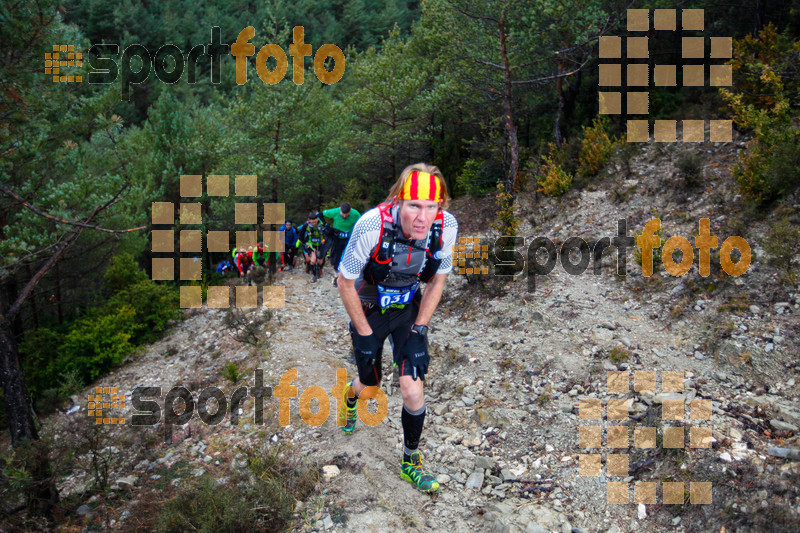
x=344 y=218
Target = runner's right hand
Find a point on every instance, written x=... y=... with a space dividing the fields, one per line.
x=365 y=347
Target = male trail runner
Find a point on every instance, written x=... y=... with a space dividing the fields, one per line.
x=395 y=246
x=289 y=238
x=344 y=218
x=311 y=237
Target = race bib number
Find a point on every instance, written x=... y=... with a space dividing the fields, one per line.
x=344 y=235
x=395 y=296
x=315 y=239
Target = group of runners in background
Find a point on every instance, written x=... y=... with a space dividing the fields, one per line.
x=316 y=238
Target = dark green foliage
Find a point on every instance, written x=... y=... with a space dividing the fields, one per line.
x=690 y=166
x=123 y=272
x=782 y=245
x=98 y=342
x=58 y=361
x=766 y=106
x=231 y=372
x=474 y=179
x=155 y=307
x=354 y=24
x=40 y=350
x=262 y=501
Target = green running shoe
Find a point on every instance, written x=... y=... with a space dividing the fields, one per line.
x=347 y=415
x=416 y=473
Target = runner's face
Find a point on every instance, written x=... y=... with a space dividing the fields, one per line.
x=313 y=222
x=417 y=216
x=344 y=215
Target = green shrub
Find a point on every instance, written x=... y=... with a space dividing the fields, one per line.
x=49 y=400
x=231 y=372
x=40 y=350
x=205 y=507
x=767 y=170
x=58 y=362
x=637 y=252
x=782 y=245
x=690 y=166
x=507 y=222
x=217 y=278
x=98 y=342
x=155 y=306
x=123 y=272
x=596 y=148
x=472 y=181
x=553 y=179
x=262 y=500
x=619 y=354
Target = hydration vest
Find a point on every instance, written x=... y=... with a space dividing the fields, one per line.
x=313 y=235
x=380 y=266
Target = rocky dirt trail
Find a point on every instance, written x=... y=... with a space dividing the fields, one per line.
x=509 y=367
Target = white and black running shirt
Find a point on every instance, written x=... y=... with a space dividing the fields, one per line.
x=364 y=240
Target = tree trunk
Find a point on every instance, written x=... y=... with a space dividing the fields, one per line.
x=34 y=308
x=11 y=292
x=272 y=258
x=393 y=157
x=41 y=493
x=573 y=89
x=205 y=217
x=758 y=19
x=59 y=307
x=557 y=135
x=432 y=144
x=508 y=117
x=15 y=393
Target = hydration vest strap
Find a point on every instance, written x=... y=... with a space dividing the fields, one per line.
x=383 y=252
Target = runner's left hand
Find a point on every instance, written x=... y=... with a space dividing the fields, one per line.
x=415 y=350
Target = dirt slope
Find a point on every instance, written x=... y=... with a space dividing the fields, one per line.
x=508 y=369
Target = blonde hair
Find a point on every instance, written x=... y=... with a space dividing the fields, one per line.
x=420 y=167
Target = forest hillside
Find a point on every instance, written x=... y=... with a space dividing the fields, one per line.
x=625 y=181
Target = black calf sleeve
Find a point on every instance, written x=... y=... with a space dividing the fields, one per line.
x=351 y=402
x=412 y=427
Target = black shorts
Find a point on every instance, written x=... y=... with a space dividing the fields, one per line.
x=326 y=246
x=395 y=323
x=338 y=249
x=312 y=247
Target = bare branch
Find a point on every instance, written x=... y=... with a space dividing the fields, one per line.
x=20 y=199
x=553 y=77
x=72 y=237
x=477 y=17
x=488 y=63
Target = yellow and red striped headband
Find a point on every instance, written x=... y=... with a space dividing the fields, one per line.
x=422 y=186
